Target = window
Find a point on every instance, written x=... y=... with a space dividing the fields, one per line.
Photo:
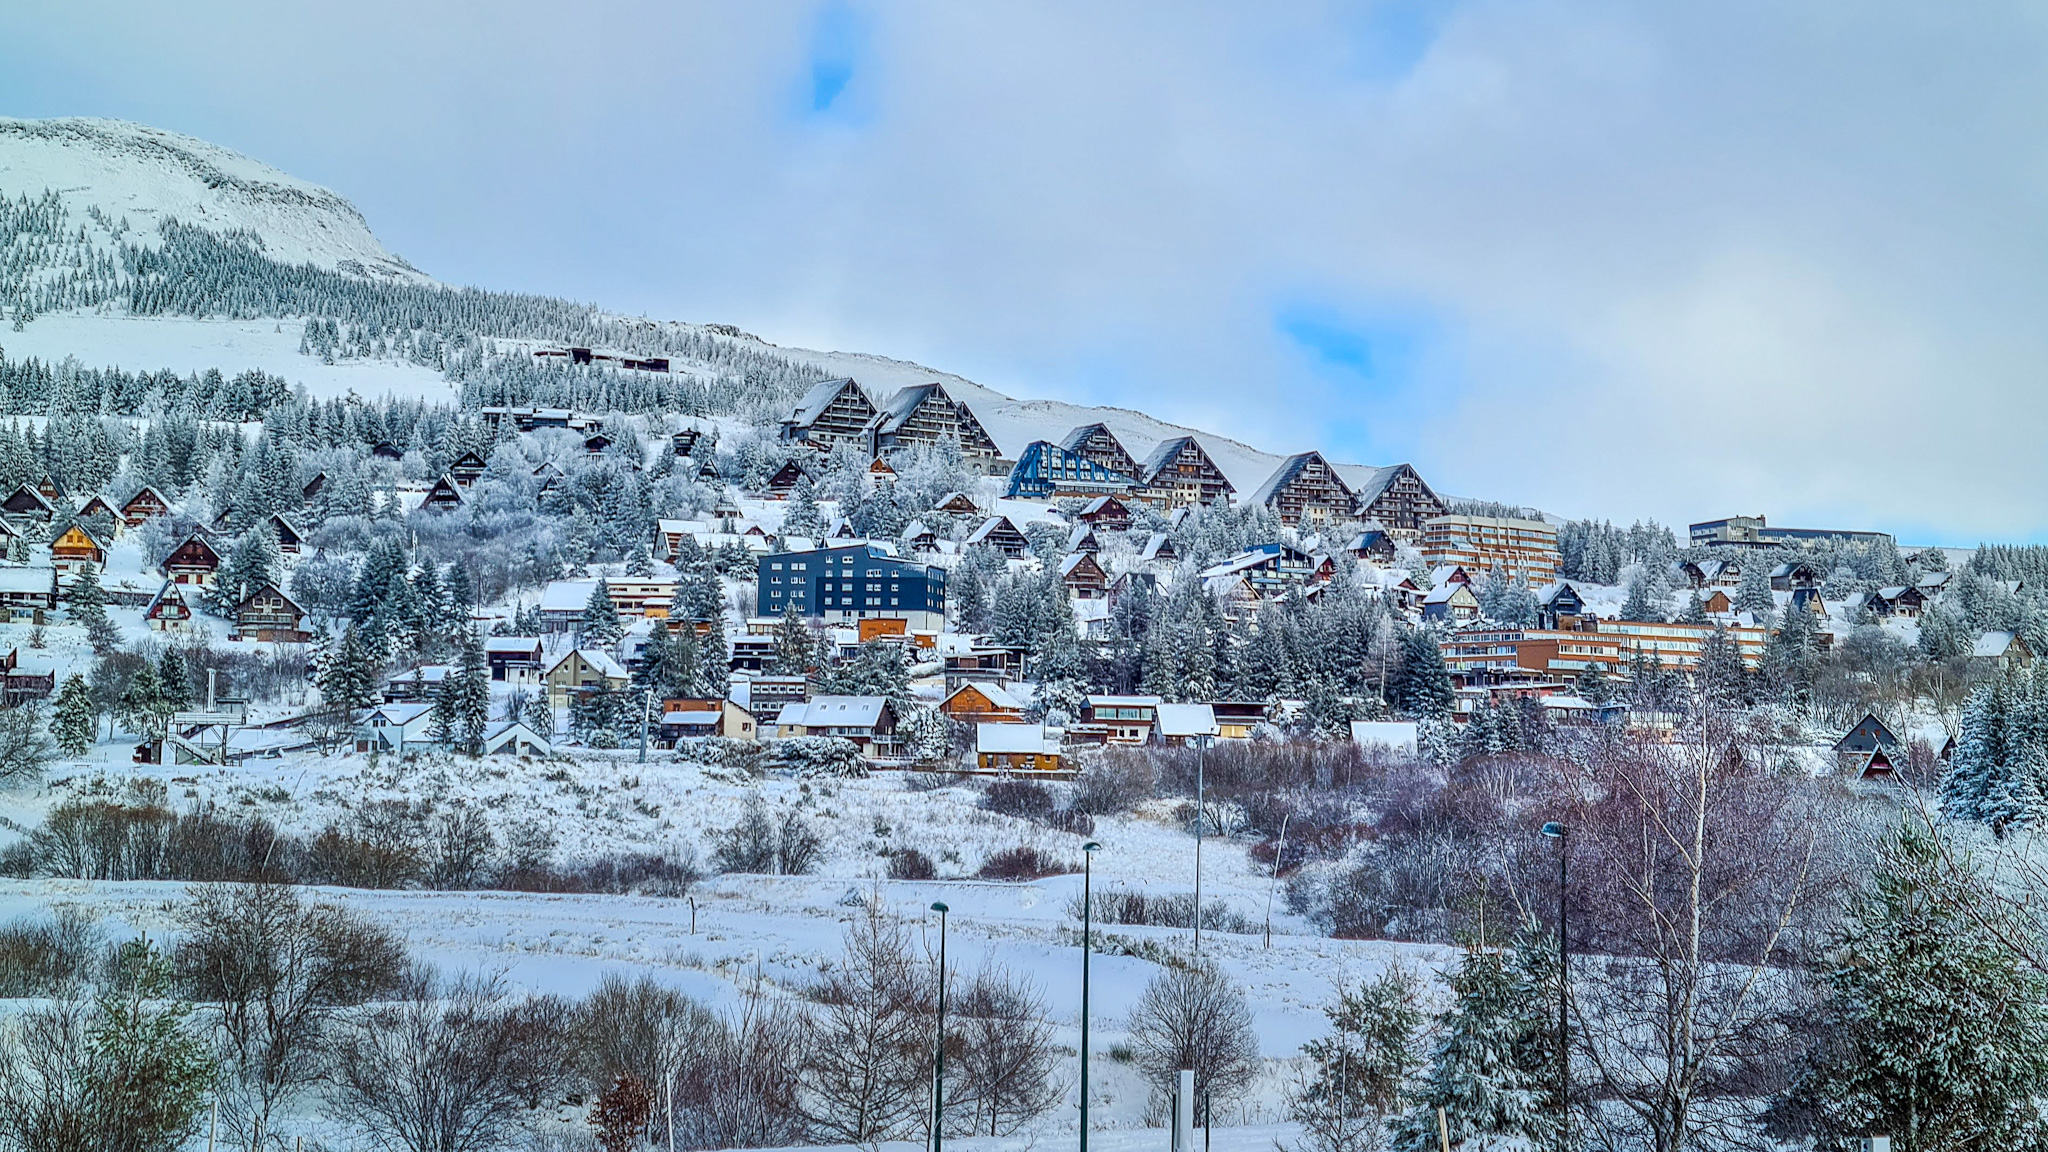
x=796 y=568
x=776 y=566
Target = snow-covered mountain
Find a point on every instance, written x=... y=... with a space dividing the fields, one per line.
x=118 y=183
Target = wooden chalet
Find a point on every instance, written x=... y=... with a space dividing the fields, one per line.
x=100 y=506
x=314 y=487
x=290 y=540
x=708 y=470
x=1305 y=489
x=386 y=450
x=168 y=611
x=1869 y=749
x=785 y=480
x=1375 y=544
x=832 y=413
x=19 y=684
x=443 y=496
x=1559 y=605
x=1006 y=748
x=1714 y=601
x=75 y=547
x=927 y=414
x=998 y=533
x=1132 y=584
x=1400 y=500
x=1159 y=548
x=546 y=470
x=1793 y=576
x=957 y=504
x=1179 y=473
x=983 y=702
x=25 y=503
x=597 y=445
x=144 y=506
x=194 y=562
x=514 y=658
x=50 y=489
x=918 y=537
x=1095 y=442
x=467 y=469
x=1905 y=601
x=1082 y=539
x=269 y=615
x=1083 y=577
x=27 y=593
x=1106 y=512
x=881 y=471
x=685 y=441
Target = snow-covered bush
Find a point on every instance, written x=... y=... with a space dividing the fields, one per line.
x=722 y=756
x=813 y=756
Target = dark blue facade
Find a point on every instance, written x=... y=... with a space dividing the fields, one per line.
x=1045 y=470
x=859 y=580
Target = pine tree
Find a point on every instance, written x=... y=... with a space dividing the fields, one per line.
x=1359 y=1072
x=142 y=704
x=1753 y=594
x=174 y=681
x=1937 y=1029
x=75 y=720
x=87 y=598
x=802 y=518
x=253 y=563
x=350 y=684
x=599 y=627
x=473 y=693
x=1422 y=684
x=1641 y=603
x=441 y=728
x=1474 y=1074
x=795 y=654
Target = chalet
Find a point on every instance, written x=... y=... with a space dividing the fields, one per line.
x=386 y=450
x=167 y=611
x=927 y=414
x=25 y=503
x=581 y=671
x=75 y=547
x=1046 y=471
x=785 y=480
x=1184 y=724
x=268 y=614
x=1159 y=547
x=984 y=702
x=920 y=538
x=1178 y=473
x=1444 y=574
x=980 y=663
x=313 y=487
x=98 y=506
x=686 y=719
x=832 y=413
x=1722 y=573
x=514 y=659
x=685 y=442
x=1559 y=605
x=546 y=470
x=1238 y=719
x=192 y=562
x=868 y=721
x=515 y=737
x=957 y=504
x=390 y=727
x=421 y=683
x=1399 y=500
x=880 y=471
x=707 y=470
x=19 y=683
x=1304 y=489
x=1869 y=749
x=1082 y=539
x=467 y=469
x=1691 y=573
x=26 y=593
x=1270 y=569
x=1096 y=443
x=1375 y=544
x=1015 y=748
x=1714 y=601
x=2000 y=651
x=1904 y=601
x=1450 y=602
x=49 y=489
x=596 y=445
x=1083 y=577
x=1122 y=719
x=998 y=533
x=1235 y=598
x=1106 y=512
x=669 y=536
x=442 y=496
x=143 y=507
x=1793 y=576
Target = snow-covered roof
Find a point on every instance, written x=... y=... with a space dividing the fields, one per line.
x=1288 y=470
x=519 y=644
x=820 y=397
x=1123 y=701
x=18 y=578
x=890 y=416
x=995 y=694
x=1153 y=544
x=600 y=662
x=689 y=717
x=400 y=714
x=1187 y=720
x=1013 y=739
x=1992 y=645
x=566 y=595
x=835 y=712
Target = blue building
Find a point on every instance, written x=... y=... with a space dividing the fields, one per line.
x=1045 y=470
x=856 y=582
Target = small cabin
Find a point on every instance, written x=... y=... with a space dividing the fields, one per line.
x=467 y=469
x=1083 y=577
x=974 y=703
x=290 y=540
x=956 y=504
x=144 y=506
x=193 y=562
x=269 y=615
x=597 y=445
x=313 y=487
x=1007 y=748
x=999 y=534
x=443 y=496
x=785 y=480
x=386 y=450
x=100 y=507
x=1105 y=512
x=76 y=547
x=167 y=610
x=25 y=503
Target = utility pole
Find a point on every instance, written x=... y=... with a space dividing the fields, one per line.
x=1201 y=764
x=939 y=1077
x=1088 y=852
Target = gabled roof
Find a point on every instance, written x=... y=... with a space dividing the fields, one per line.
x=1014 y=739
x=1291 y=468
x=1551 y=592
x=1164 y=453
x=519 y=644
x=260 y=589
x=600 y=662
x=1992 y=645
x=991 y=526
x=997 y=695
x=101 y=502
x=1077 y=438
x=84 y=530
x=152 y=493
x=1074 y=561
x=1187 y=720
x=1377 y=484
x=165 y=595
x=954 y=501
x=29 y=491
x=835 y=712
x=194 y=538
x=820 y=397
x=20 y=578
x=1157 y=543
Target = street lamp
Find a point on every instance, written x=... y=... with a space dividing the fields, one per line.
x=1201 y=763
x=1088 y=852
x=1559 y=833
x=939 y=1077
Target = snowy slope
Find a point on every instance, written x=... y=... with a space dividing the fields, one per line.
x=148 y=175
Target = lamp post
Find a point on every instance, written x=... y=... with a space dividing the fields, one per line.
x=939 y=1076
x=1201 y=764
x=1559 y=833
x=1088 y=852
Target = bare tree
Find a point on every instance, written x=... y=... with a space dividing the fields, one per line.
x=272 y=972
x=1195 y=1018
x=637 y=1028
x=1702 y=881
x=25 y=748
x=868 y=1073
x=744 y=1090
x=432 y=1071
x=999 y=1049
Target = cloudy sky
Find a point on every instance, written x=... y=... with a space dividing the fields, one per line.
x=1617 y=260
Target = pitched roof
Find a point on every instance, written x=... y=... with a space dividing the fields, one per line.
x=1992 y=645
x=990 y=526
x=1187 y=720
x=997 y=695
x=1377 y=484
x=1014 y=739
x=820 y=397
x=1153 y=545
x=20 y=578
x=600 y=662
x=1291 y=468
x=835 y=712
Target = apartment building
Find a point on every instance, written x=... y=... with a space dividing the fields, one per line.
x=1479 y=543
x=1491 y=655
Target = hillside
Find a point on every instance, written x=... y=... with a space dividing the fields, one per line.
x=80 y=191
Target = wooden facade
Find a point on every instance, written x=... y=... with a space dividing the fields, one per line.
x=467 y=469
x=928 y=414
x=1106 y=512
x=1179 y=473
x=290 y=540
x=76 y=547
x=146 y=505
x=998 y=533
x=1400 y=500
x=785 y=480
x=1097 y=443
x=269 y=615
x=444 y=496
x=1083 y=577
x=1305 y=489
x=835 y=412
x=25 y=503
x=168 y=610
x=193 y=562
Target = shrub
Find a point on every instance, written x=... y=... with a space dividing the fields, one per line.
x=46 y=958
x=742 y=757
x=911 y=864
x=1024 y=862
x=1025 y=799
x=1115 y=782
x=814 y=756
x=1167 y=910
